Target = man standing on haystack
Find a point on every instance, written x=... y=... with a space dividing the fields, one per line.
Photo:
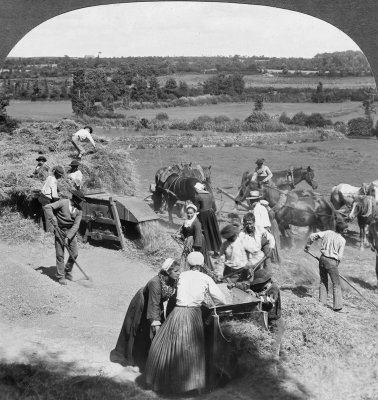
x=65 y=216
x=81 y=136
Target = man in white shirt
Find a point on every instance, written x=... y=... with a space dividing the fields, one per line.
x=81 y=136
x=49 y=193
x=242 y=250
x=259 y=209
x=75 y=175
x=332 y=249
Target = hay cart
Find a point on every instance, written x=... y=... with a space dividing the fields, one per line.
x=109 y=217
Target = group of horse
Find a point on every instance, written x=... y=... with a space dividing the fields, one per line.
x=301 y=208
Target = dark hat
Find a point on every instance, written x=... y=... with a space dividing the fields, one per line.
x=260 y=161
x=74 y=163
x=262 y=275
x=229 y=231
x=78 y=194
x=59 y=169
x=249 y=217
x=341 y=226
x=88 y=127
x=41 y=158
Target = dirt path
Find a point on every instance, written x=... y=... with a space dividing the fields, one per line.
x=86 y=328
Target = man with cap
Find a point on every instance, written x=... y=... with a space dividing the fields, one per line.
x=75 y=174
x=65 y=216
x=262 y=174
x=49 y=191
x=332 y=248
x=262 y=285
x=41 y=171
x=81 y=136
x=242 y=250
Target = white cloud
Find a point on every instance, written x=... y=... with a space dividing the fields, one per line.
x=179 y=28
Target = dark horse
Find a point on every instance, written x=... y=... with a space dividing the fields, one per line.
x=293 y=208
x=177 y=188
x=284 y=180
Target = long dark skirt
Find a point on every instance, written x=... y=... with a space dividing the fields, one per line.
x=134 y=338
x=210 y=229
x=188 y=248
x=176 y=362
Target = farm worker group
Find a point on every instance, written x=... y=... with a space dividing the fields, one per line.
x=156 y=339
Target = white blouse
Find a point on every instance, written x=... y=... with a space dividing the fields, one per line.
x=192 y=287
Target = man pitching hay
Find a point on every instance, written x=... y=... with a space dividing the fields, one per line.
x=81 y=136
x=65 y=216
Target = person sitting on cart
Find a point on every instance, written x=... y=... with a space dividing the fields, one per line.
x=262 y=285
x=243 y=250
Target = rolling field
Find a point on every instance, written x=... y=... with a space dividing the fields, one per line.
x=52 y=111
x=280 y=81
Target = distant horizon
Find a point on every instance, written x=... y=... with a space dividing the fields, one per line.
x=91 y=56
x=164 y=29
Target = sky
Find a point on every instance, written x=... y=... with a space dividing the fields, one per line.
x=182 y=29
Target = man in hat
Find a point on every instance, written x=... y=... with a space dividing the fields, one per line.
x=259 y=209
x=332 y=248
x=65 y=216
x=262 y=285
x=41 y=171
x=49 y=191
x=242 y=250
x=262 y=174
x=81 y=136
x=75 y=174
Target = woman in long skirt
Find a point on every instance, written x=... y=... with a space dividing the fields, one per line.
x=176 y=361
x=194 y=240
x=206 y=214
x=144 y=317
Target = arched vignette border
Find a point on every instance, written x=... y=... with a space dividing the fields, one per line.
x=356 y=18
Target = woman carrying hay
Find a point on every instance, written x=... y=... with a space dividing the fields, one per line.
x=194 y=240
x=176 y=361
x=144 y=317
x=206 y=214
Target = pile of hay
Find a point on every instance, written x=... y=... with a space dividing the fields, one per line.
x=106 y=169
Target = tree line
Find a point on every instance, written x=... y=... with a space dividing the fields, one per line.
x=346 y=63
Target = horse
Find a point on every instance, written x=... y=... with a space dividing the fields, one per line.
x=202 y=173
x=373 y=240
x=285 y=180
x=292 y=208
x=177 y=188
x=363 y=207
x=343 y=194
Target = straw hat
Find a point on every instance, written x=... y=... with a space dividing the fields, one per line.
x=253 y=195
x=195 y=258
x=59 y=170
x=200 y=187
x=167 y=264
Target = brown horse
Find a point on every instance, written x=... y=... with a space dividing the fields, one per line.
x=294 y=208
x=284 y=180
x=363 y=208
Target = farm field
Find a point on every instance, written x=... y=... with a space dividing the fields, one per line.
x=350 y=161
x=52 y=111
x=281 y=81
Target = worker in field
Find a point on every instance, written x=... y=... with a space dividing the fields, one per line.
x=332 y=248
x=262 y=174
x=81 y=136
x=75 y=175
x=49 y=192
x=262 y=285
x=244 y=249
x=265 y=219
x=42 y=170
x=65 y=216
